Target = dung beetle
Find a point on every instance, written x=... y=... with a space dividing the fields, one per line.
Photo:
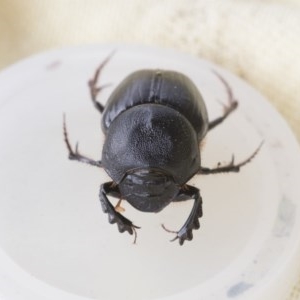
x=153 y=122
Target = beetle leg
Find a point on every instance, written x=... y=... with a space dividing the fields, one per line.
x=229 y=108
x=94 y=89
x=113 y=216
x=230 y=167
x=75 y=155
x=185 y=233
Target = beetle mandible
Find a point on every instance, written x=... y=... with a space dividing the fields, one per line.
x=154 y=122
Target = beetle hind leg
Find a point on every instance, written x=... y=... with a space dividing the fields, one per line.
x=113 y=216
x=93 y=84
x=229 y=108
x=192 y=222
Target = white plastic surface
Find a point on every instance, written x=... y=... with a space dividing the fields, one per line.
x=55 y=241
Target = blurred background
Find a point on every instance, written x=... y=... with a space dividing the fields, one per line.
x=257 y=40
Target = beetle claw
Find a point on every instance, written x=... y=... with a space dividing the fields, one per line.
x=124 y=225
x=184 y=233
x=175 y=238
x=130 y=228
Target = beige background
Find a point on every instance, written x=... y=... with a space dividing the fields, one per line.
x=257 y=40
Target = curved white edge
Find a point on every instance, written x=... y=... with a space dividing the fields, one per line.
x=18 y=284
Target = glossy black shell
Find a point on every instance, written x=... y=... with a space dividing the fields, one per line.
x=154 y=119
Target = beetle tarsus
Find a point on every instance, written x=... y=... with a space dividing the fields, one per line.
x=113 y=216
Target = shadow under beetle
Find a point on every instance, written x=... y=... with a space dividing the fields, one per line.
x=153 y=123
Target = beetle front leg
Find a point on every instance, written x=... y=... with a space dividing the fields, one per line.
x=192 y=222
x=113 y=216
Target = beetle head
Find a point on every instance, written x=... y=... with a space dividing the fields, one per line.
x=148 y=190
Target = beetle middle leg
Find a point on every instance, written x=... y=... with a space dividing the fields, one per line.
x=185 y=233
x=230 y=167
x=74 y=154
x=123 y=223
x=229 y=108
x=94 y=88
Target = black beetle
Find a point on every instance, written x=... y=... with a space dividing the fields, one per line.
x=154 y=122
